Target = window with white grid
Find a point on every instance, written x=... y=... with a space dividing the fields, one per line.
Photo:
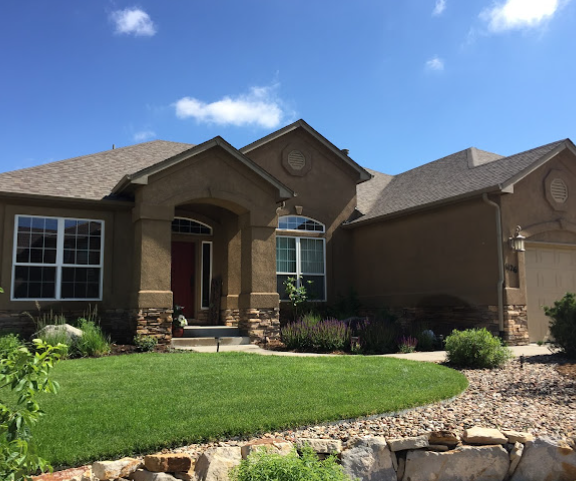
x=57 y=258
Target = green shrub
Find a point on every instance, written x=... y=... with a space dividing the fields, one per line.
x=426 y=340
x=476 y=348
x=563 y=324
x=265 y=466
x=9 y=343
x=407 y=344
x=58 y=338
x=93 y=341
x=145 y=343
x=25 y=374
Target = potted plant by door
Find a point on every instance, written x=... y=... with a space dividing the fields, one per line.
x=179 y=322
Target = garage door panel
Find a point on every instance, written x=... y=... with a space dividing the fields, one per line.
x=550 y=274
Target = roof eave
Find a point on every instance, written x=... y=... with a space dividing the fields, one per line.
x=498 y=189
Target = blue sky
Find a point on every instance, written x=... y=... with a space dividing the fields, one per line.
x=399 y=83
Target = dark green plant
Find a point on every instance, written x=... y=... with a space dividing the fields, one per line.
x=145 y=343
x=426 y=340
x=9 y=343
x=25 y=374
x=266 y=466
x=93 y=341
x=563 y=324
x=378 y=336
x=476 y=348
x=347 y=306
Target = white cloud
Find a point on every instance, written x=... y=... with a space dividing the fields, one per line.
x=518 y=14
x=439 y=7
x=435 y=63
x=259 y=107
x=144 y=135
x=133 y=21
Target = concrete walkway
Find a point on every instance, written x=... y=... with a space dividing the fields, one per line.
x=435 y=356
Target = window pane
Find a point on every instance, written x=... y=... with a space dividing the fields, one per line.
x=294 y=222
x=34 y=282
x=80 y=283
x=206 y=259
x=311 y=256
x=189 y=226
x=82 y=241
x=280 y=288
x=286 y=254
x=315 y=289
x=35 y=241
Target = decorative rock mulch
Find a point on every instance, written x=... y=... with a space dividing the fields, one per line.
x=529 y=397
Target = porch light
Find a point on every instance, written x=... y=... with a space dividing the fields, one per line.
x=517 y=242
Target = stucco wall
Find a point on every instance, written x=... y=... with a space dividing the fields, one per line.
x=118 y=261
x=441 y=257
x=541 y=219
x=326 y=192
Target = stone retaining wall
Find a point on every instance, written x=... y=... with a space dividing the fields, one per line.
x=477 y=454
x=156 y=323
x=259 y=324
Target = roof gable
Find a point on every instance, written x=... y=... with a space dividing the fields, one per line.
x=362 y=173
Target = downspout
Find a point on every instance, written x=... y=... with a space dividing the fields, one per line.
x=500 y=285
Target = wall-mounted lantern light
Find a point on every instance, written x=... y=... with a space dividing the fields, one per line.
x=517 y=242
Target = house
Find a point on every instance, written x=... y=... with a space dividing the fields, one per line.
x=217 y=230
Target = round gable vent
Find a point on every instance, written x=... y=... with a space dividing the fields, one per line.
x=559 y=190
x=296 y=160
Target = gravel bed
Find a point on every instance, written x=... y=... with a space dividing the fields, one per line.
x=530 y=396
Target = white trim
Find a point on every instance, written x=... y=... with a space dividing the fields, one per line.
x=299 y=272
x=202 y=308
x=59 y=264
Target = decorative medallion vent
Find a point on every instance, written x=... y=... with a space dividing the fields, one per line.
x=296 y=160
x=559 y=190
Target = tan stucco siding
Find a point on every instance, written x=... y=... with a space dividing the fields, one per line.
x=440 y=257
x=541 y=219
x=118 y=262
x=326 y=193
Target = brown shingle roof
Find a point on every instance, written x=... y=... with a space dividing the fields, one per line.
x=465 y=172
x=89 y=176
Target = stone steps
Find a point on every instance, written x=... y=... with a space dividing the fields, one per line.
x=211 y=331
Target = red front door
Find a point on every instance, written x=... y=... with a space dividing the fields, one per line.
x=183 y=276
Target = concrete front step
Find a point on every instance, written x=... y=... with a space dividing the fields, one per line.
x=211 y=331
x=190 y=342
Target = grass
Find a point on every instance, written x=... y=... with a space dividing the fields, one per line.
x=123 y=405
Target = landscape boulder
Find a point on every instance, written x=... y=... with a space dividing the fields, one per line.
x=369 y=459
x=321 y=446
x=71 y=332
x=215 y=463
x=401 y=444
x=145 y=475
x=465 y=463
x=278 y=446
x=121 y=468
x=168 y=463
x=477 y=435
x=546 y=459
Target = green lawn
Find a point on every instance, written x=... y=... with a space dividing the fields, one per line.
x=120 y=405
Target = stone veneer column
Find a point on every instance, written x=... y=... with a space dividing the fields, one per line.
x=260 y=323
x=516 y=325
x=156 y=323
x=258 y=302
x=153 y=261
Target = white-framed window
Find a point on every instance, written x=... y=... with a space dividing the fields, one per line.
x=302 y=258
x=184 y=225
x=57 y=258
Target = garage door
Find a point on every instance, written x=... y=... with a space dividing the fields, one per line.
x=550 y=273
